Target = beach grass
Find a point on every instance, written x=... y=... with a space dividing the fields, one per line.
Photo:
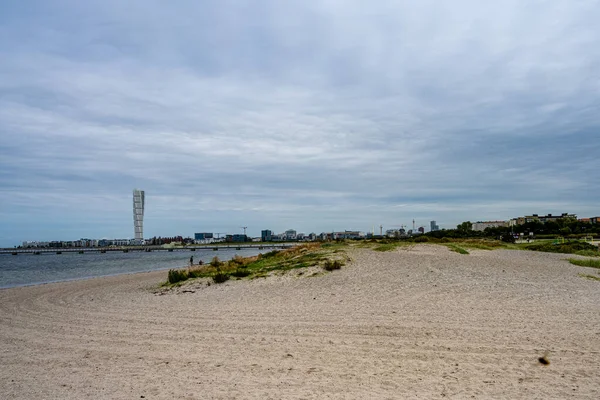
x=456 y=248
x=588 y=253
x=592 y=277
x=330 y=256
x=587 y=262
x=567 y=247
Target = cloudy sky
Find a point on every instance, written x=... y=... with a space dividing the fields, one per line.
x=314 y=115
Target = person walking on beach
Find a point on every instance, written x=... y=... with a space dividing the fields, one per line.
x=191 y=261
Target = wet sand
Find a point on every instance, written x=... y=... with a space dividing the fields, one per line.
x=422 y=322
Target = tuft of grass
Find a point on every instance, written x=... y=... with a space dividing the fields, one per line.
x=587 y=262
x=215 y=262
x=331 y=265
x=220 y=277
x=176 y=275
x=456 y=248
x=588 y=253
x=390 y=246
x=240 y=273
x=568 y=247
x=592 y=277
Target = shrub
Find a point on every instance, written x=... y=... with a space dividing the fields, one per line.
x=508 y=238
x=220 y=277
x=270 y=254
x=215 y=262
x=176 y=275
x=331 y=265
x=421 y=239
x=240 y=273
x=239 y=260
x=569 y=247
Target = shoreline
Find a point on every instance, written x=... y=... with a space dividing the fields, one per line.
x=86 y=278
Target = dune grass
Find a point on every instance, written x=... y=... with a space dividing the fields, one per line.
x=587 y=262
x=588 y=253
x=390 y=246
x=592 y=277
x=567 y=247
x=456 y=248
x=330 y=256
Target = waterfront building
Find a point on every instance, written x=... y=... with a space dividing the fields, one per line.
x=203 y=236
x=236 y=238
x=138 y=215
x=348 y=235
x=266 y=235
x=433 y=226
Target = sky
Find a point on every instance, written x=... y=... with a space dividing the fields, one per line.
x=312 y=115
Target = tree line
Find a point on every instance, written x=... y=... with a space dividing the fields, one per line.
x=569 y=227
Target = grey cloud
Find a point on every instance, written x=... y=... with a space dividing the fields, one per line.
x=282 y=113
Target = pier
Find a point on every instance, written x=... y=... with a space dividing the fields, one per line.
x=127 y=249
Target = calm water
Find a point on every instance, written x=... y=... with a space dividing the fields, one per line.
x=30 y=269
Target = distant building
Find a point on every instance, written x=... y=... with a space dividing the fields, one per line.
x=421 y=229
x=544 y=218
x=482 y=225
x=138 y=214
x=433 y=226
x=348 y=235
x=237 y=238
x=290 y=234
x=203 y=236
x=594 y=220
x=266 y=235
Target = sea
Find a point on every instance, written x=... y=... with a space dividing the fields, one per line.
x=31 y=269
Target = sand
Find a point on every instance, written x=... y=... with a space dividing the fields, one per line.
x=422 y=322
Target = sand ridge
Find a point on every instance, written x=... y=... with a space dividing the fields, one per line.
x=418 y=322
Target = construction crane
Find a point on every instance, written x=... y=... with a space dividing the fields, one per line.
x=244 y=228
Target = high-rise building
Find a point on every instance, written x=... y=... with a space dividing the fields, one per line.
x=138 y=214
x=433 y=226
x=266 y=235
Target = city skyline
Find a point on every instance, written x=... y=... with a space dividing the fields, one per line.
x=307 y=114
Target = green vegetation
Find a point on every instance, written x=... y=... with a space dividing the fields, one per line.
x=567 y=247
x=588 y=253
x=588 y=262
x=389 y=246
x=176 y=275
x=331 y=265
x=220 y=277
x=457 y=248
x=330 y=256
x=592 y=277
x=570 y=228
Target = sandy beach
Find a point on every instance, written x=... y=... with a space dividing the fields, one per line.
x=420 y=322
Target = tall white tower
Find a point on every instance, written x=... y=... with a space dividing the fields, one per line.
x=138 y=214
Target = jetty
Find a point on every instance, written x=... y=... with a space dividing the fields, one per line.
x=127 y=249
